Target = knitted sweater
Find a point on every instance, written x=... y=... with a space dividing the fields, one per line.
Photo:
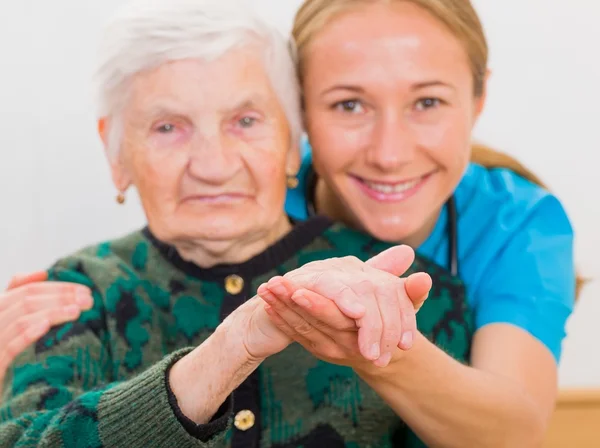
x=102 y=381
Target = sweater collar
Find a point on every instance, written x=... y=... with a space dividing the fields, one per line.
x=302 y=234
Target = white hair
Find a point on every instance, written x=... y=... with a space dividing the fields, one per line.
x=145 y=34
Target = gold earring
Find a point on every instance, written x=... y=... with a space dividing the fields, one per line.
x=292 y=182
x=121 y=198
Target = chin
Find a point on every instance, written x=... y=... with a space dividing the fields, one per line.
x=217 y=229
x=390 y=231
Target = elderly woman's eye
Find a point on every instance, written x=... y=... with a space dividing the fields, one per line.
x=427 y=103
x=166 y=128
x=247 y=122
x=351 y=106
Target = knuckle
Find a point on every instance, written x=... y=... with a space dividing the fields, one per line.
x=28 y=304
x=392 y=336
x=21 y=327
x=66 y=298
x=332 y=353
x=302 y=328
x=28 y=289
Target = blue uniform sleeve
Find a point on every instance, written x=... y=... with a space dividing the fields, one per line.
x=531 y=282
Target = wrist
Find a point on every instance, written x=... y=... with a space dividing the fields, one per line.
x=204 y=378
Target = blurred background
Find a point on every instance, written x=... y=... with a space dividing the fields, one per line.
x=56 y=194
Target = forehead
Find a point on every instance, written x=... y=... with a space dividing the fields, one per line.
x=393 y=41
x=220 y=83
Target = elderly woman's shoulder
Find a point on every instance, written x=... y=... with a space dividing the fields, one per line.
x=105 y=259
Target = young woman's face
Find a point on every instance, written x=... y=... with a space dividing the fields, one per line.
x=389 y=112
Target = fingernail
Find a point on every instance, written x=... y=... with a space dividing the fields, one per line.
x=301 y=300
x=385 y=359
x=375 y=350
x=267 y=296
x=407 y=339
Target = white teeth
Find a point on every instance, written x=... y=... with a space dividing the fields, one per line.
x=391 y=189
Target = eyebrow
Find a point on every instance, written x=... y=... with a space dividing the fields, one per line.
x=159 y=109
x=247 y=102
x=435 y=83
x=350 y=88
x=417 y=86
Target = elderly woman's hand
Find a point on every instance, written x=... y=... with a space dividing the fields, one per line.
x=374 y=302
x=30 y=306
x=317 y=323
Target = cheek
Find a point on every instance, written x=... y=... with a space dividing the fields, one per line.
x=334 y=149
x=268 y=175
x=157 y=178
x=447 y=142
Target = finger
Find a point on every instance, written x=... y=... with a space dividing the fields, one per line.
x=280 y=292
x=417 y=288
x=23 y=279
x=283 y=304
x=81 y=294
x=329 y=285
x=22 y=334
x=321 y=312
x=22 y=324
x=395 y=260
x=370 y=330
x=64 y=307
x=318 y=341
x=392 y=319
x=408 y=317
x=293 y=326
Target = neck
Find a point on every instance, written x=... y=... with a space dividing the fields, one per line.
x=328 y=203
x=208 y=254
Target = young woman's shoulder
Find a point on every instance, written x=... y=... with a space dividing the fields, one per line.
x=516 y=248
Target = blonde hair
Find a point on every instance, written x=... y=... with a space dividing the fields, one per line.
x=490 y=158
x=458 y=16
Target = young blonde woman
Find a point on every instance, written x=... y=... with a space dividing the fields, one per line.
x=392 y=91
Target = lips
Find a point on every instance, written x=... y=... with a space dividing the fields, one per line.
x=391 y=191
x=393 y=188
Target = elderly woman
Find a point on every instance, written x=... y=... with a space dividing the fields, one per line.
x=174 y=350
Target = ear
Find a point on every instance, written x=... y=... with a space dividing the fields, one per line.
x=480 y=100
x=120 y=174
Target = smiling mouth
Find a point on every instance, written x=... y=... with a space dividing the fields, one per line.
x=392 y=191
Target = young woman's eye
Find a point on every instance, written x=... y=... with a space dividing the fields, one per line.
x=247 y=122
x=427 y=103
x=349 y=106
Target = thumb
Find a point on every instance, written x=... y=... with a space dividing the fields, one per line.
x=24 y=279
x=417 y=287
x=395 y=260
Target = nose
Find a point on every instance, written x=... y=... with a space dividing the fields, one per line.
x=214 y=159
x=393 y=143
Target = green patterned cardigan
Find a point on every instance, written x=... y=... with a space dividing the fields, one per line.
x=101 y=381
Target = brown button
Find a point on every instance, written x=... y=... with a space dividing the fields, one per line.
x=234 y=284
x=244 y=420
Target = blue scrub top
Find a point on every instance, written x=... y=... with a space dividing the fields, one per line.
x=515 y=250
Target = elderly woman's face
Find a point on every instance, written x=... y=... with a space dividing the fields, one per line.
x=207 y=145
